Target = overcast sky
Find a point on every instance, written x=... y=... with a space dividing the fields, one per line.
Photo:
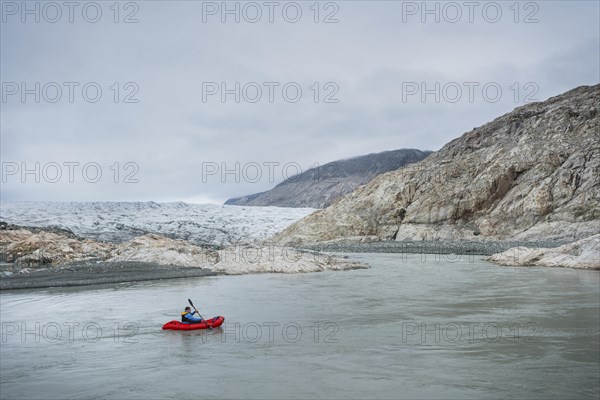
x=373 y=76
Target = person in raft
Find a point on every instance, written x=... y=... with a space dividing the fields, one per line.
x=188 y=316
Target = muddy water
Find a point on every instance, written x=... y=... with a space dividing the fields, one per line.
x=410 y=327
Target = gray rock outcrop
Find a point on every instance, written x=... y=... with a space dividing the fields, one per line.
x=531 y=174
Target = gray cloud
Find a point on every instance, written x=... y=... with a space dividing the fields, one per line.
x=171 y=134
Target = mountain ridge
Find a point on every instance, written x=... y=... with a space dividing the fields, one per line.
x=320 y=186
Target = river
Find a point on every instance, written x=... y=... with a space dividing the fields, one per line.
x=412 y=326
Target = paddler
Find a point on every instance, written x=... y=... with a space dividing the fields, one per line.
x=188 y=316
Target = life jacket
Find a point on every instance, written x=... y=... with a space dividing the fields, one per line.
x=184 y=318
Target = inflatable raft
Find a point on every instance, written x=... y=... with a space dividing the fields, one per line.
x=182 y=326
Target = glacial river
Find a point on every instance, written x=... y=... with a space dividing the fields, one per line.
x=412 y=327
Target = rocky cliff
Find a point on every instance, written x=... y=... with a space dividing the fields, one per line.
x=531 y=174
x=319 y=187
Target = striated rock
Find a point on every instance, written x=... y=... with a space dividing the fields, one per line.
x=246 y=260
x=160 y=250
x=582 y=254
x=320 y=186
x=27 y=249
x=532 y=174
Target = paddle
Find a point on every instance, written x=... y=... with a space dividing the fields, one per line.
x=198 y=312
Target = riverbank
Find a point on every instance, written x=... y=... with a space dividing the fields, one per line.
x=94 y=273
x=474 y=247
x=581 y=254
x=39 y=258
x=36 y=258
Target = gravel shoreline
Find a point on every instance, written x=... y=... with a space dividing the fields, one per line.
x=484 y=248
x=94 y=273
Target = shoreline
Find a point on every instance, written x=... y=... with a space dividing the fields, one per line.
x=86 y=273
x=459 y=247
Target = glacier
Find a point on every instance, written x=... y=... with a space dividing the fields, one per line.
x=200 y=224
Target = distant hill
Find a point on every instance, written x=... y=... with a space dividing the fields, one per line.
x=320 y=186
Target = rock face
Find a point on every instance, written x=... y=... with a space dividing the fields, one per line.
x=531 y=174
x=583 y=254
x=26 y=248
x=37 y=249
x=319 y=187
x=276 y=259
x=160 y=250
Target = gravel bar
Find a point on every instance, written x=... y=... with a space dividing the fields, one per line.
x=485 y=248
x=94 y=273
